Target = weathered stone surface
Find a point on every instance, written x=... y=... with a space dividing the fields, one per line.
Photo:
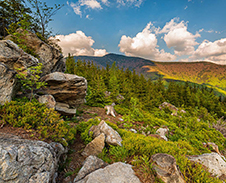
x=112 y=136
x=213 y=161
x=7 y=84
x=166 y=168
x=95 y=147
x=49 y=100
x=26 y=160
x=116 y=173
x=14 y=57
x=91 y=164
x=163 y=132
x=64 y=109
x=66 y=88
x=95 y=131
x=50 y=57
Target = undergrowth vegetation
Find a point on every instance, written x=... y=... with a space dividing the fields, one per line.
x=137 y=150
x=38 y=118
x=188 y=130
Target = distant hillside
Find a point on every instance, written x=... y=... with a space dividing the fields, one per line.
x=123 y=61
x=207 y=73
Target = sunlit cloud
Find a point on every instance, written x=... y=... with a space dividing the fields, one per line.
x=178 y=37
x=212 y=51
x=78 y=44
x=144 y=44
x=92 y=4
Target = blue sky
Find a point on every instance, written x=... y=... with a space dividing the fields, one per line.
x=161 y=30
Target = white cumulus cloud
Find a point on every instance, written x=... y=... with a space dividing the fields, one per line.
x=144 y=44
x=178 y=37
x=92 y=4
x=78 y=44
x=212 y=51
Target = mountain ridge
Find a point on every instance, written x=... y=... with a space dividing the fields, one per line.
x=199 y=72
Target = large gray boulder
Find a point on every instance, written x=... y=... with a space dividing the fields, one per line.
x=65 y=88
x=24 y=160
x=11 y=58
x=115 y=173
x=51 y=58
x=213 y=161
x=166 y=168
x=7 y=84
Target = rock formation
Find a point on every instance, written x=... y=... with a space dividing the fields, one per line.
x=28 y=161
x=11 y=57
x=95 y=147
x=66 y=88
x=51 y=58
x=7 y=84
x=166 y=168
x=213 y=161
x=112 y=136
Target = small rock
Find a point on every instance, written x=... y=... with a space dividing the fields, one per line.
x=64 y=109
x=133 y=130
x=163 y=132
x=91 y=164
x=112 y=136
x=166 y=168
x=95 y=147
x=48 y=99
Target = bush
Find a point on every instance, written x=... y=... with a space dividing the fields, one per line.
x=35 y=116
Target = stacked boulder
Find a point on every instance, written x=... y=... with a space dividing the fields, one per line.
x=67 y=90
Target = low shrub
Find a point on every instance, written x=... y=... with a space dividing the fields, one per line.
x=35 y=116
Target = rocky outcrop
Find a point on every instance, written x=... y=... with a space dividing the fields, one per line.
x=163 y=132
x=7 y=84
x=48 y=100
x=95 y=147
x=114 y=173
x=28 y=161
x=65 y=109
x=11 y=58
x=112 y=136
x=91 y=164
x=166 y=168
x=213 y=161
x=14 y=57
x=66 y=88
x=50 y=57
